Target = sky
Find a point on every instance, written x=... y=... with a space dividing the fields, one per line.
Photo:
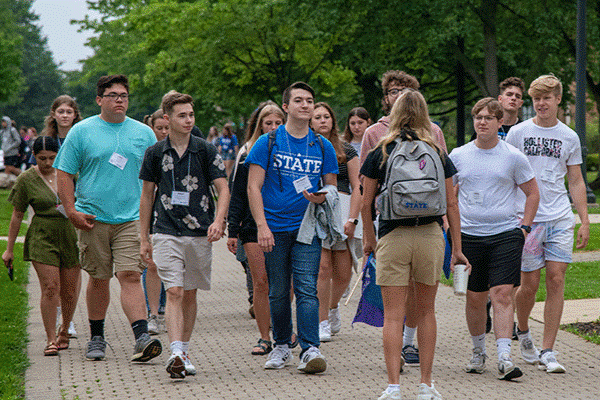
x=65 y=43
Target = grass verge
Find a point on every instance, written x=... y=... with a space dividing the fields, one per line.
x=589 y=331
x=13 y=327
x=5 y=214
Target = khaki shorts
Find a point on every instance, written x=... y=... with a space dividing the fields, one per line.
x=416 y=251
x=108 y=249
x=183 y=261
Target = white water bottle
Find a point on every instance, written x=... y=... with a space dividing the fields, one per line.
x=461 y=279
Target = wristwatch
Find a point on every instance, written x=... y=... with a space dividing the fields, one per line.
x=526 y=228
x=353 y=220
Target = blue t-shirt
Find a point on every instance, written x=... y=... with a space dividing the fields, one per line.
x=105 y=190
x=291 y=159
x=228 y=143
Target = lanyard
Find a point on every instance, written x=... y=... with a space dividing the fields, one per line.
x=188 y=171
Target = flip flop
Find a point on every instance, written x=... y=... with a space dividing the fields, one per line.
x=62 y=341
x=51 y=350
x=265 y=346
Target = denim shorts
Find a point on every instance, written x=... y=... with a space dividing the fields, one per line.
x=549 y=241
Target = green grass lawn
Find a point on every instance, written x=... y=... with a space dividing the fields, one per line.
x=5 y=214
x=593 y=243
x=13 y=327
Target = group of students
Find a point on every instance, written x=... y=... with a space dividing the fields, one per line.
x=297 y=196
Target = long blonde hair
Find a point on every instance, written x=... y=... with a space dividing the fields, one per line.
x=268 y=109
x=409 y=119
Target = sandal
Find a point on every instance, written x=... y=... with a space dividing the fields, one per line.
x=294 y=341
x=51 y=350
x=62 y=341
x=265 y=347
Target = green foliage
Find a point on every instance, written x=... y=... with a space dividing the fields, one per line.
x=13 y=327
x=10 y=55
x=582 y=282
x=5 y=214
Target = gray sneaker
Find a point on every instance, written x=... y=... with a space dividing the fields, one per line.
x=153 y=326
x=477 y=363
x=96 y=349
x=335 y=320
x=146 y=348
x=312 y=361
x=507 y=369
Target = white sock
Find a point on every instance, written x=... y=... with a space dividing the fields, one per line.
x=176 y=347
x=408 y=336
x=503 y=346
x=391 y=388
x=185 y=347
x=479 y=342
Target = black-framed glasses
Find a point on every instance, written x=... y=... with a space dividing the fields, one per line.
x=114 y=96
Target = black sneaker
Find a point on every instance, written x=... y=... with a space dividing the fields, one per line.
x=411 y=355
x=146 y=348
x=96 y=349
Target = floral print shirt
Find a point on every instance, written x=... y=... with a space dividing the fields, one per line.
x=192 y=173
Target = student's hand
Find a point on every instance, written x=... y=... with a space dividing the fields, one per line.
x=266 y=240
x=583 y=235
x=7 y=257
x=146 y=251
x=369 y=247
x=232 y=245
x=82 y=221
x=314 y=198
x=349 y=228
x=215 y=231
x=459 y=258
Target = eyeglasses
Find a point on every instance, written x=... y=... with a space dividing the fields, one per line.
x=394 y=92
x=114 y=96
x=487 y=118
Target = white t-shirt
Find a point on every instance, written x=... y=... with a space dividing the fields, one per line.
x=488 y=181
x=549 y=151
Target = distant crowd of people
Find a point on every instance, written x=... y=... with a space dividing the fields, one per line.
x=303 y=205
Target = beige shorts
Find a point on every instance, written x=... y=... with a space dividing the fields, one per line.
x=183 y=261
x=108 y=249
x=416 y=251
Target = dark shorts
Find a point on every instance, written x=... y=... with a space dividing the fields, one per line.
x=495 y=260
x=14 y=161
x=248 y=236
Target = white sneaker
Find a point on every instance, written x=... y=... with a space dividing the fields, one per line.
x=312 y=361
x=393 y=395
x=162 y=325
x=477 y=363
x=549 y=364
x=325 y=331
x=72 y=332
x=428 y=393
x=529 y=352
x=506 y=368
x=335 y=320
x=176 y=366
x=279 y=357
x=189 y=367
x=153 y=328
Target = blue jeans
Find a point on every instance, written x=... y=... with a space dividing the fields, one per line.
x=300 y=262
x=163 y=295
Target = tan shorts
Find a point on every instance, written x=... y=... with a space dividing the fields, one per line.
x=108 y=249
x=416 y=251
x=183 y=261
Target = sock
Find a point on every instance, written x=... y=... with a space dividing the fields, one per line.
x=176 y=347
x=545 y=351
x=479 y=342
x=391 y=388
x=185 y=347
x=503 y=346
x=139 y=328
x=408 y=336
x=522 y=334
x=97 y=327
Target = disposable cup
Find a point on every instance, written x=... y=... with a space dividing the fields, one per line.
x=461 y=279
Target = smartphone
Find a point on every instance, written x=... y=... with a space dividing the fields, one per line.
x=10 y=270
x=321 y=192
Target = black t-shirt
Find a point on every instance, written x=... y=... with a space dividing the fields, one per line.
x=373 y=169
x=343 y=181
x=192 y=173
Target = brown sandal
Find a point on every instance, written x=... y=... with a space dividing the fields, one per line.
x=62 y=339
x=51 y=350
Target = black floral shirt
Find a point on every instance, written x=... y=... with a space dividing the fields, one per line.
x=192 y=173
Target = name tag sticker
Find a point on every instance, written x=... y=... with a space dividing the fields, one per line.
x=477 y=198
x=118 y=160
x=302 y=184
x=180 y=198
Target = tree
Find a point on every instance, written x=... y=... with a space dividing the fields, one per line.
x=10 y=55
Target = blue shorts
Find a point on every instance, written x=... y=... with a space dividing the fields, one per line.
x=549 y=241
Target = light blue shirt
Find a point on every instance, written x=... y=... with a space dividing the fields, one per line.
x=110 y=192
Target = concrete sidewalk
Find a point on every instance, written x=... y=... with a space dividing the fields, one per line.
x=224 y=335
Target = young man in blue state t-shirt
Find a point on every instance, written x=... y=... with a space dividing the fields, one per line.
x=106 y=151
x=282 y=180
x=177 y=173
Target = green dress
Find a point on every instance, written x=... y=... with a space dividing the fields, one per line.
x=51 y=238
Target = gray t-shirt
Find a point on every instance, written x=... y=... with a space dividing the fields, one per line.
x=488 y=181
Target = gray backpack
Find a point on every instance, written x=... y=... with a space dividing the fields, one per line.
x=415 y=184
